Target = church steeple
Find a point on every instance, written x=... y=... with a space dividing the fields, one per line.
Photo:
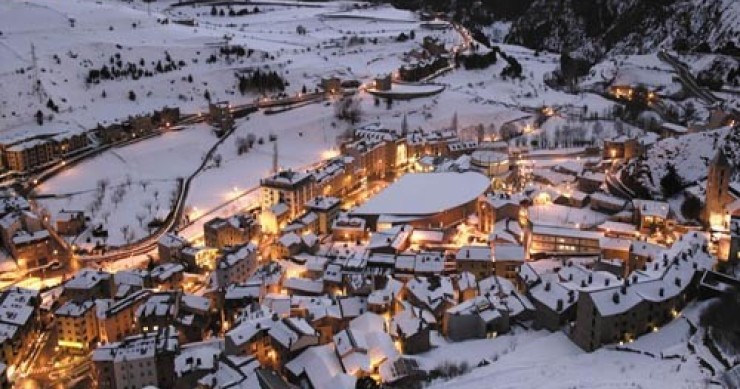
x=717 y=190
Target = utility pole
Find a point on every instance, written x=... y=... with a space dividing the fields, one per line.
x=274 y=157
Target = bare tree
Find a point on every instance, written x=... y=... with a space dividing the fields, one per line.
x=102 y=184
x=124 y=231
x=140 y=217
x=348 y=109
x=118 y=195
x=243 y=144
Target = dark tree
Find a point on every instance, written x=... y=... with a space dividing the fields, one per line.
x=39 y=118
x=131 y=95
x=366 y=383
x=671 y=183
x=723 y=321
x=691 y=208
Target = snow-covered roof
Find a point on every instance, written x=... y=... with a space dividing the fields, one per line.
x=661 y=280
x=138 y=347
x=474 y=253
x=612 y=226
x=646 y=249
x=235 y=255
x=431 y=295
x=172 y=240
x=242 y=291
x=393 y=237
x=232 y=371
x=553 y=295
x=304 y=285
x=480 y=306
x=383 y=296
x=74 y=309
x=321 y=366
x=165 y=271
x=674 y=128
x=87 y=278
x=429 y=262
x=405 y=324
x=432 y=236
x=466 y=280
x=509 y=252
x=289 y=330
x=197 y=357
x=565 y=232
x=425 y=194
x=616 y=244
x=652 y=208
x=23 y=237
x=289 y=240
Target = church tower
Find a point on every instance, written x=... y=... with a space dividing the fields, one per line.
x=717 y=193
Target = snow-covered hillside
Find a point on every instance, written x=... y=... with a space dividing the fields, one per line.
x=598 y=27
x=125 y=35
x=689 y=155
x=551 y=360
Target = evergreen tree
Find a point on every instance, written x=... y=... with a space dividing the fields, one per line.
x=691 y=208
x=671 y=183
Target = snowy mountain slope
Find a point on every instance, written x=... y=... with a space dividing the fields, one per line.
x=595 y=28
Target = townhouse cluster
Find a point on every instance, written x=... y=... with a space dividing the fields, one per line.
x=351 y=267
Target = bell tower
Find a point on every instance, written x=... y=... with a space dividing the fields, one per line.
x=717 y=195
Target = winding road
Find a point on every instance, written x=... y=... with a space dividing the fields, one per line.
x=687 y=79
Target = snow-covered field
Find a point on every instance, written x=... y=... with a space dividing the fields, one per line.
x=539 y=359
x=345 y=39
x=147 y=172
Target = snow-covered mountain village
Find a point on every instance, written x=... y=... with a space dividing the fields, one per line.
x=276 y=194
